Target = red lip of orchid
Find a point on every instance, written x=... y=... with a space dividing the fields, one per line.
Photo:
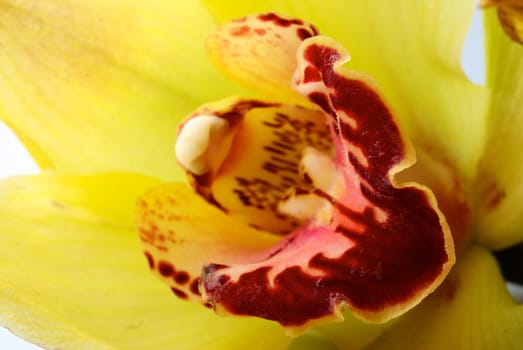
x=364 y=242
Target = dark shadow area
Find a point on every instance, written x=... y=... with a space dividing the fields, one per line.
x=511 y=263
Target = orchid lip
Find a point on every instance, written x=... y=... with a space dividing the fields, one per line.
x=325 y=177
x=202 y=143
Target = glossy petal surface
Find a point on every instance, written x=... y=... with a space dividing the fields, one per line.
x=101 y=85
x=73 y=277
x=413 y=50
x=471 y=310
x=372 y=235
x=500 y=217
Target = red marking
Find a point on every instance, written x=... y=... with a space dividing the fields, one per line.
x=240 y=20
x=181 y=277
x=239 y=31
x=311 y=74
x=449 y=289
x=497 y=197
x=194 y=286
x=150 y=260
x=179 y=293
x=303 y=33
x=279 y=21
x=260 y=31
x=202 y=183
x=165 y=268
x=390 y=263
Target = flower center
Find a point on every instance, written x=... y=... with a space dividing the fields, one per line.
x=243 y=156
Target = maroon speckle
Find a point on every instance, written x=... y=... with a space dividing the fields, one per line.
x=150 y=259
x=166 y=269
x=239 y=31
x=179 y=293
x=194 y=286
x=449 y=289
x=202 y=183
x=495 y=199
x=279 y=21
x=181 y=277
x=303 y=33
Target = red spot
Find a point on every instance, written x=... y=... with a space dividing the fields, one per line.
x=179 y=293
x=194 y=286
x=497 y=197
x=303 y=33
x=166 y=269
x=279 y=21
x=240 y=20
x=181 y=277
x=311 y=74
x=150 y=260
x=449 y=289
x=207 y=305
x=239 y=31
x=260 y=31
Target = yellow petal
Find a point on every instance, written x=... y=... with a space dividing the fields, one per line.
x=413 y=50
x=499 y=184
x=259 y=51
x=101 y=85
x=73 y=275
x=510 y=15
x=472 y=310
x=312 y=342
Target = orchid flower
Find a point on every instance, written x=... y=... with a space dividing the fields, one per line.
x=330 y=203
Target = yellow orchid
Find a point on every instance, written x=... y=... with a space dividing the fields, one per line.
x=96 y=91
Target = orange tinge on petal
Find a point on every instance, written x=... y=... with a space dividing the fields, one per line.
x=237 y=47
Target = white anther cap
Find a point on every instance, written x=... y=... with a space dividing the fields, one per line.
x=202 y=143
